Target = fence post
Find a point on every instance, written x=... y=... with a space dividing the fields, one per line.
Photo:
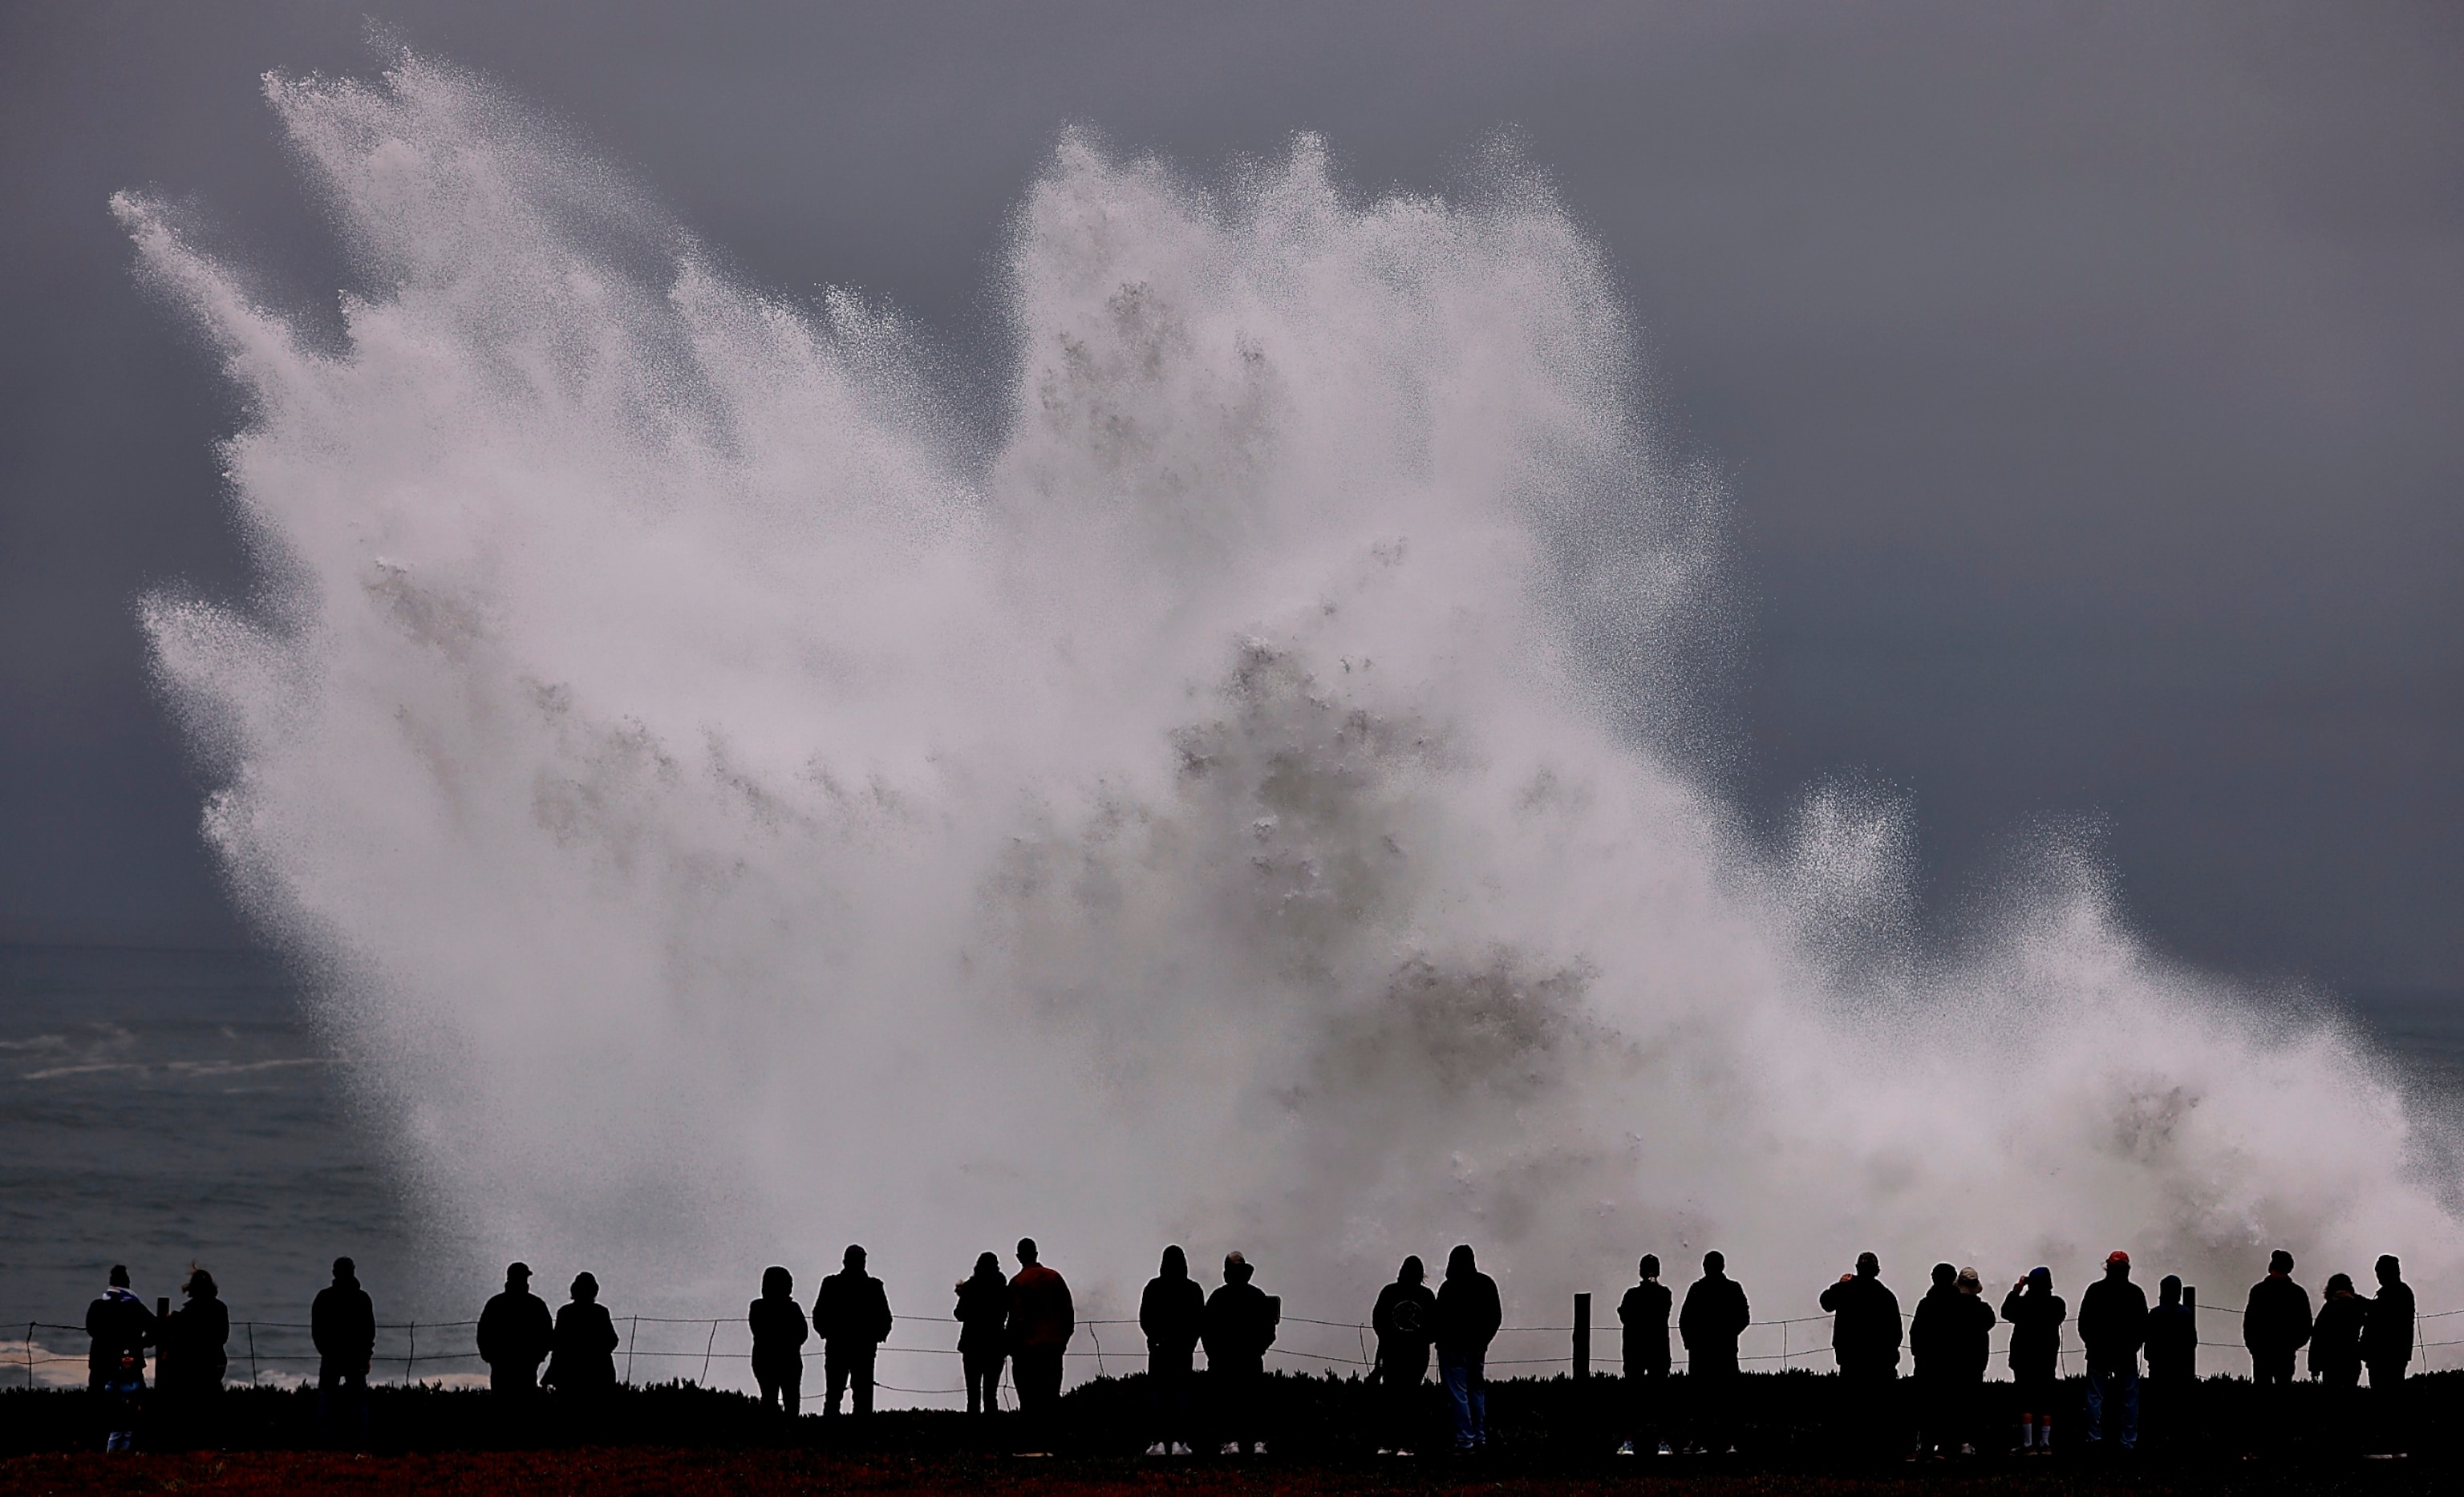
x=2191 y=1303
x=632 y=1329
x=411 y=1362
x=705 y=1352
x=30 y=1354
x=251 y=1353
x=1582 y=1337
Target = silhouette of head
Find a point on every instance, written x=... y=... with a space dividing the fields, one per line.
x=1970 y=1283
x=1460 y=1261
x=777 y=1282
x=2390 y=1268
x=988 y=1263
x=2280 y=1262
x=1026 y=1249
x=1868 y=1265
x=345 y=1272
x=1412 y=1272
x=2040 y=1277
x=1176 y=1263
x=1650 y=1266
x=2169 y=1289
x=1945 y=1275
x=586 y=1289
x=120 y=1275
x=2117 y=1264
x=200 y=1285
x=2339 y=1283
x=1714 y=1261
x=853 y=1257
x=1236 y=1269
x=517 y=1276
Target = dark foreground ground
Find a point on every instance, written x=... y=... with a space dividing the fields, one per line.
x=1555 y=1436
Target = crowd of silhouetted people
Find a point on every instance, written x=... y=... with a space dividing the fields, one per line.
x=1026 y=1321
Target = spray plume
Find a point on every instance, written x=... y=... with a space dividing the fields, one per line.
x=1242 y=801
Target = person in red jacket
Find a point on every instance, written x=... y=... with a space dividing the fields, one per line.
x=1041 y=1320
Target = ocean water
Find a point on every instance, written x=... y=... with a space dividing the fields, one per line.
x=163 y=1108
x=168 y=1108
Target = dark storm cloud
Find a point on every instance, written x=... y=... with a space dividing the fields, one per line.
x=2087 y=375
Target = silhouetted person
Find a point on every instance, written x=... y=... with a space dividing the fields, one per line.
x=778 y=1332
x=1405 y=1320
x=2036 y=1313
x=342 y=1323
x=122 y=1388
x=1644 y=1316
x=2335 y=1357
x=853 y=1314
x=2173 y=1366
x=1949 y=1342
x=2386 y=1346
x=1237 y=1327
x=2113 y=1326
x=1714 y=1315
x=188 y=1373
x=117 y=1323
x=1172 y=1315
x=982 y=1314
x=581 y=1352
x=2276 y=1323
x=1468 y=1315
x=515 y=1331
x=1865 y=1342
x=1041 y=1320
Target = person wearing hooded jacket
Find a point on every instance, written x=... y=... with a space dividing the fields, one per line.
x=1469 y=1313
x=1172 y=1315
x=1715 y=1314
x=117 y=1323
x=778 y=1335
x=581 y=1352
x=2112 y=1325
x=514 y=1333
x=1644 y=1316
x=1865 y=1342
x=2173 y=1382
x=851 y=1316
x=1238 y=1325
x=343 y=1326
x=983 y=1313
x=2036 y=1313
x=1405 y=1320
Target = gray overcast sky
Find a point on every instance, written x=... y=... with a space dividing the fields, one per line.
x=2091 y=377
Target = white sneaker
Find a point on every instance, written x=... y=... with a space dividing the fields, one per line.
x=1229 y=1448
x=1664 y=1449
x=1262 y=1447
x=1158 y=1448
x=1627 y=1449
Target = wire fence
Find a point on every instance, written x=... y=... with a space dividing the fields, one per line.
x=661 y=1349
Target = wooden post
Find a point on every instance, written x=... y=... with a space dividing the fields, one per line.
x=1582 y=1337
x=2191 y=1303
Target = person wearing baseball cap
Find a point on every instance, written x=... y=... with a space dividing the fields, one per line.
x=2113 y=1326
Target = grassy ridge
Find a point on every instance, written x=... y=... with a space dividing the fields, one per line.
x=1788 y=1420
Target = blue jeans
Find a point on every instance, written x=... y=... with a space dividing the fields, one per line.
x=2123 y=1384
x=1466 y=1396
